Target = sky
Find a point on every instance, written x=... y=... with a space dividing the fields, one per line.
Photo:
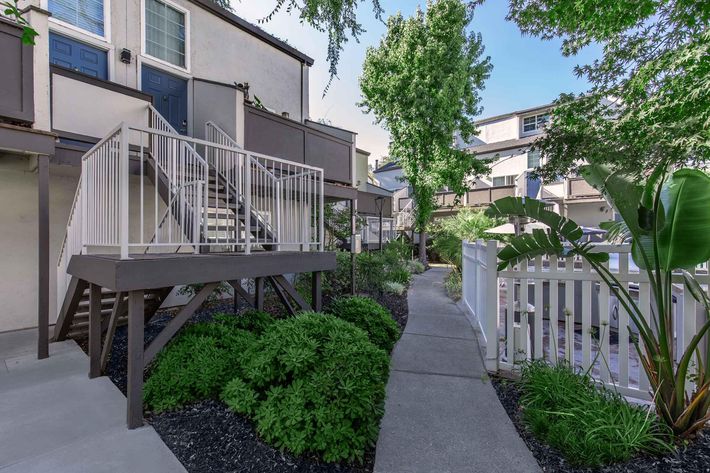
x=526 y=70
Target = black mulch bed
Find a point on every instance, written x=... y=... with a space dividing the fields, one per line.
x=692 y=458
x=207 y=437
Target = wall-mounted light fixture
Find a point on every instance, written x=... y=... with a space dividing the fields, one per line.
x=125 y=56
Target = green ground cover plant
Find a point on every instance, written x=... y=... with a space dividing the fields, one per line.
x=313 y=383
x=196 y=365
x=590 y=425
x=370 y=316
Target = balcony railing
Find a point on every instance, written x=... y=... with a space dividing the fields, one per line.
x=578 y=188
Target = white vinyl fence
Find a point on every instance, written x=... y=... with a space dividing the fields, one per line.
x=558 y=308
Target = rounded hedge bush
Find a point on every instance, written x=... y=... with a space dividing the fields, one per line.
x=314 y=383
x=370 y=316
x=196 y=365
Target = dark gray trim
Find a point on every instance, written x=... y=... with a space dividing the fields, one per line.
x=10 y=41
x=94 y=331
x=104 y=84
x=136 y=349
x=319 y=124
x=253 y=30
x=90 y=140
x=26 y=140
x=154 y=271
x=43 y=257
x=337 y=192
x=214 y=82
x=362 y=151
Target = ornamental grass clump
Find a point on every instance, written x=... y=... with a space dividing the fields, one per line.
x=313 y=384
x=367 y=314
x=591 y=426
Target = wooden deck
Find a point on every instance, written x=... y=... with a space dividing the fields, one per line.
x=153 y=271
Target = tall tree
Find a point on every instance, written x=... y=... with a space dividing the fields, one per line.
x=422 y=83
x=650 y=91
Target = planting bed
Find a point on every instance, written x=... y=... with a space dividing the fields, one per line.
x=207 y=436
x=691 y=458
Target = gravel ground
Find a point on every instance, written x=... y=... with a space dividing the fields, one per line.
x=693 y=458
x=207 y=437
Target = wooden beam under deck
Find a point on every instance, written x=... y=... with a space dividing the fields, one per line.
x=154 y=271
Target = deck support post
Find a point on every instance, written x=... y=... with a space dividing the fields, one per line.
x=94 y=331
x=43 y=257
x=316 y=291
x=259 y=293
x=136 y=348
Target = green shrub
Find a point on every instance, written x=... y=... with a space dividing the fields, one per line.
x=319 y=384
x=590 y=426
x=453 y=285
x=394 y=288
x=399 y=249
x=196 y=365
x=251 y=320
x=415 y=266
x=370 y=271
x=370 y=316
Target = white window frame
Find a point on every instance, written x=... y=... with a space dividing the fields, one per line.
x=83 y=35
x=537 y=128
x=509 y=177
x=162 y=62
x=527 y=158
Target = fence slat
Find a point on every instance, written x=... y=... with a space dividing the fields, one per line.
x=623 y=358
x=539 y=310
x=554 y=311
x=605 y=329
x=569 y=313
x=586 y=319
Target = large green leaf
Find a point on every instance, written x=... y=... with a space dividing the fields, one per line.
x=527 y=246
x=526 y=207
x=684 y=240
x=625 y=196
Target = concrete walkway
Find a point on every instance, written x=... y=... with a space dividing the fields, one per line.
x=442 y=414
x=53 y=418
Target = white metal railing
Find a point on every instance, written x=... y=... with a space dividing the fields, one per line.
x=405 y=217
x=169 y=197
x=371 y=230
x=285 y=199
x=556 y=308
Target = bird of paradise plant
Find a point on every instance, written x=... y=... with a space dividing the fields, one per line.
x=667 y=219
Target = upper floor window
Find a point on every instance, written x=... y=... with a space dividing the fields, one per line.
x=165 y=37
x=85 y=14
x=503 y=181
x=533 y=159
x=535 y=123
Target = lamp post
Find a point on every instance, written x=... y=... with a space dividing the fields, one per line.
x=379 y=202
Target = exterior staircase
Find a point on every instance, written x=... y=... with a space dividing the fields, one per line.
x=220 y=199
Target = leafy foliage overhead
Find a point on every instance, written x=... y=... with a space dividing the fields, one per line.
x=422 y=82
x=337 y=18
x=650 y=94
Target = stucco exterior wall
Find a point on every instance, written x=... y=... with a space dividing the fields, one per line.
x=589 y=214
x=361 y=171
x=97 y=113
x=499 y=130
x=390 y=180
x=18 y=239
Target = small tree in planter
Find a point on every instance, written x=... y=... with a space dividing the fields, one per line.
x=667 y=219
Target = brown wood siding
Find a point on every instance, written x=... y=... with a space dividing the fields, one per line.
x=16 y=80
x=280 y=137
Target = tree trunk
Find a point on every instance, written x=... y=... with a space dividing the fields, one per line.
x=422 y=248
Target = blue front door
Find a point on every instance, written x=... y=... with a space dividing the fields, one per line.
x=169 y=96
x=78 y=56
